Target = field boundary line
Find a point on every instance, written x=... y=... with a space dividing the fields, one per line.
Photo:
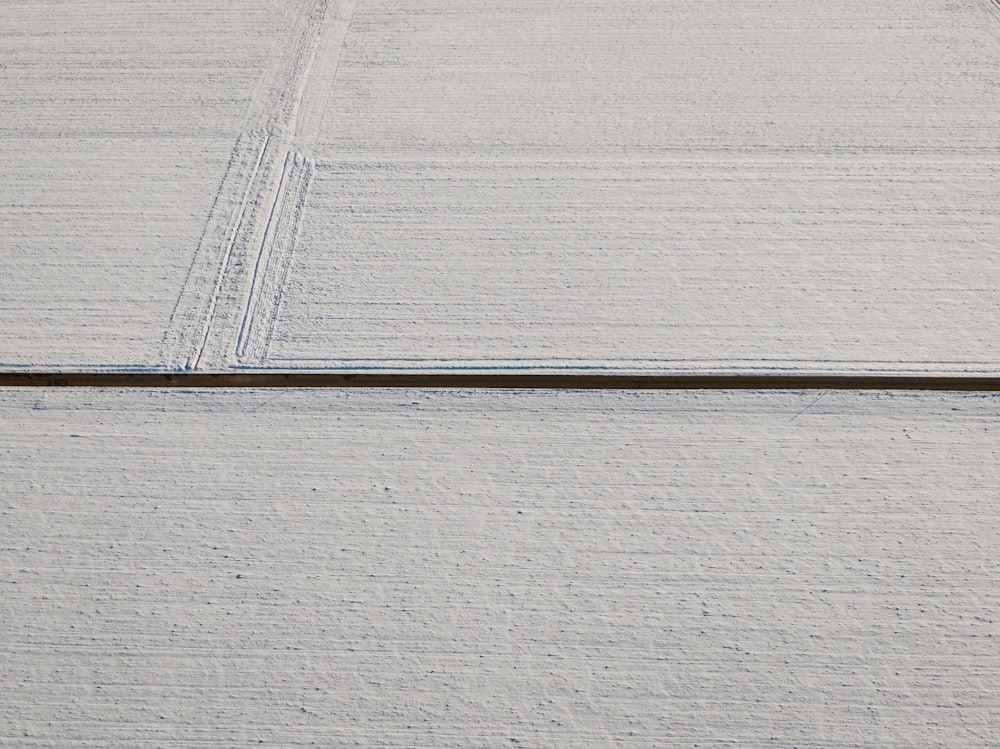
x=199 y=380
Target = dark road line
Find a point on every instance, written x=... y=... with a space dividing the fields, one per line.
x=955 y=383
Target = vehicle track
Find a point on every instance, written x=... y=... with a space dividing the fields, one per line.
x=239 y=226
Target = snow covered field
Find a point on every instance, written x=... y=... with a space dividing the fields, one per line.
x=670 y=186
x=117 y=161
x=635 y=185
x=422 y=568
x=544 y=185
x=660 y=262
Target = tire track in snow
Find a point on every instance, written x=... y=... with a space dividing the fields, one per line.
x=318 y=85
x=194 y=309
x=274 y=258
x=215 y=284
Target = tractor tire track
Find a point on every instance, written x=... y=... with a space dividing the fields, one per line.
x=251 y=184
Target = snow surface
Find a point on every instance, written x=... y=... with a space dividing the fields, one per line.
x=641 y=185
x=767 y=185
x=657 y=262
x=435 y=569
x=118 y=123
x=576 y=184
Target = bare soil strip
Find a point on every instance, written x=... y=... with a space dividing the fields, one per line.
x=494 y=381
